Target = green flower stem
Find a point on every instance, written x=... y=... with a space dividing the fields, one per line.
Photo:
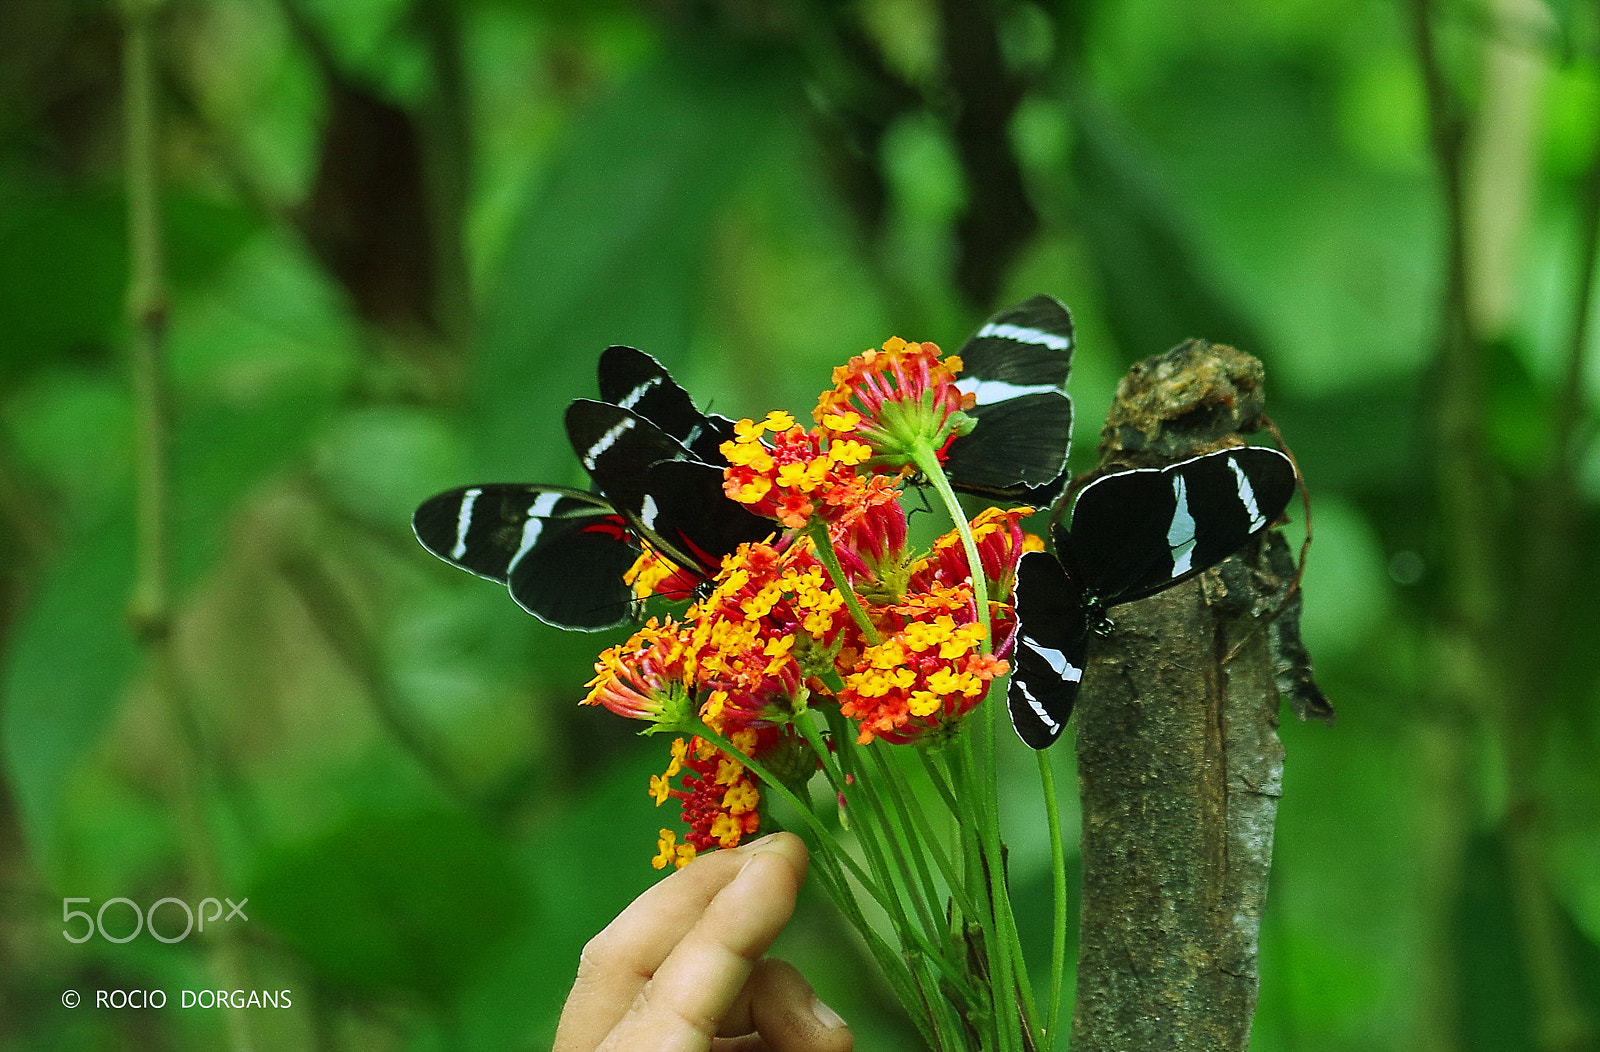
x=835 y=867
x=825 y=839
x=928 y=463
x=818 y=532
x=941 y=783
x=878 y=829
x=909 y=988
x=865 y=817
x=891 y=890
x=898 y=811
x=834 y=765
x=984 y=862
x=1004 y=946
x=933 y=846
x=1058 y=894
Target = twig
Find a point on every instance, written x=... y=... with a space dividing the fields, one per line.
x=150 y=606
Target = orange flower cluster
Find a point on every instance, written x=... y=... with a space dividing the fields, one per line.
x=903 y=651
x=930 y=672
x=719 y=797
x=797 y=474
x=900 y=396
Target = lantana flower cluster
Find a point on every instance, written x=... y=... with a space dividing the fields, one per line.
x=832 y=610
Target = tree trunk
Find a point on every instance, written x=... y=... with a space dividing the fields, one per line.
x=1181 y=769
x=1178 y=755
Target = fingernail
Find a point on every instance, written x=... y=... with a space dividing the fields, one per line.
x=825 y=1015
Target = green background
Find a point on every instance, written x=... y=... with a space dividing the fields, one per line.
x=398 y=233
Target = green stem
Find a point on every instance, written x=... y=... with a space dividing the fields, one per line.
x=1004 y=947
x=818 y=532
x=835 y=867
x=905 y=840
x=941 y=784
x=941 y=856
x=928 y=463
x=825 y=839
x=877 y=832
x=150 y=608
x=1058 y=894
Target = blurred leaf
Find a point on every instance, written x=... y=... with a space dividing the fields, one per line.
x=72 y=427
x=257 y=362
x=1494 y=982
x=415 y=900
x=63 y=267
x=64 y=673
x=1350 y=606
x=1520 y=426
x=377 y=462
x=1335 y=970
x=62 y=272
x=613 y=248
x=1158 y=289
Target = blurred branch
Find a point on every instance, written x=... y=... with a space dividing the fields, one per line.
x=1495 y=678
x=147 y=315
x=976 y=99
x=150 y=606
x=1457 y=420
x=1564 y=1021
x=1501 y=160
x=999 y=219
x=448 y=127
x=386 y=207
x=864 y=98
x=1460 y=405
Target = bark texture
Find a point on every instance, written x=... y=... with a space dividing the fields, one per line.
x=1179 y=761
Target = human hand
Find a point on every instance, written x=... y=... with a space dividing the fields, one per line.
x=680 y=970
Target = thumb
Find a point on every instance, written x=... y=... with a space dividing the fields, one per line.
x=780 y=1006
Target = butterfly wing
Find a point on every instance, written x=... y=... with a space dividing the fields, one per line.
x=562 y=552
x=631 y=379
x=616 y=446
x=669 y=498
x=1052 y=640
x=1135 y=533
x=573 y=578
x=686 y=508
x=1016 y=367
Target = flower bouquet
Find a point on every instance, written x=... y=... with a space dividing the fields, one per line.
x=827 y=673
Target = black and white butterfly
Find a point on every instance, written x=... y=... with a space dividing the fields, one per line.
x=1133 y=534
x=657 y=475
x=1016 y=366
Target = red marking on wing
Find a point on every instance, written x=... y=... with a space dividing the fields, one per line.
x=613 y=526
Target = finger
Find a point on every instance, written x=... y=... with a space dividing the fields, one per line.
x=781 y=1007
x=616 y=963
x=682 y=1007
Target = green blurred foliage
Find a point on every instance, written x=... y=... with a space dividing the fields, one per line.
x=398 y=232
